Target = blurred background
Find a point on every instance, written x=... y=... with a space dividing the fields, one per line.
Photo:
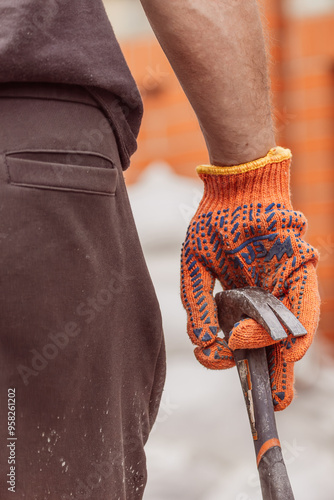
x=200 y=448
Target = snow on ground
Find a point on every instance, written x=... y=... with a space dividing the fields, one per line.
x=201 y=447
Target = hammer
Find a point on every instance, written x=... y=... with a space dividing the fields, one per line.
x=252 y=365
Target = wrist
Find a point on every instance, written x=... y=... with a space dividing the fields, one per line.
x=265 y=180
x=238 y=151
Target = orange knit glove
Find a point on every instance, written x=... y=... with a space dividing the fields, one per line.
x=246 y=233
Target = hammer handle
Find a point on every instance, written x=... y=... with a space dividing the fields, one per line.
x=254 y=377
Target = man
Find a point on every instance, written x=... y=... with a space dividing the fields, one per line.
x=82 y=353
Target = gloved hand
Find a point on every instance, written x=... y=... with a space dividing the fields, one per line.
x=246 y=233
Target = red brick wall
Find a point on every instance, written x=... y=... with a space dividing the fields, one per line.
x=307 y=128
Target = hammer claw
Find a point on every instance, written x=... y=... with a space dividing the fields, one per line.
x=286 y=317
x=260 y=305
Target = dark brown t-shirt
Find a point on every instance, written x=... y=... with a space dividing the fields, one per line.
x=71 y=42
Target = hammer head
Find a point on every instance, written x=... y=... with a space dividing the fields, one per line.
x=260 y=305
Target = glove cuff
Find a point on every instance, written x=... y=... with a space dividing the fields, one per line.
x=275 y=155
x=264 y=180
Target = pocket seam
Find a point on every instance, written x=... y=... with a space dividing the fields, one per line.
x=54 y=188
x=62 y=151
x=81 y=187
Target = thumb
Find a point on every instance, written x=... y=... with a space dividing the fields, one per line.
x=197 y=285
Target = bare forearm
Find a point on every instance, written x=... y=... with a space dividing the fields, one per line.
x=217 y=51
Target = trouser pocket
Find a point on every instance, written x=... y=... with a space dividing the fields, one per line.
x=62 y=170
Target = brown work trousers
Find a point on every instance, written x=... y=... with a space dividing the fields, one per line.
x=82 y=359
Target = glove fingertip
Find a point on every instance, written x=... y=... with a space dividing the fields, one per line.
x=280 y=405
x=216 y=357
x=296 y=348
x=202 y=334
x=281 y=374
